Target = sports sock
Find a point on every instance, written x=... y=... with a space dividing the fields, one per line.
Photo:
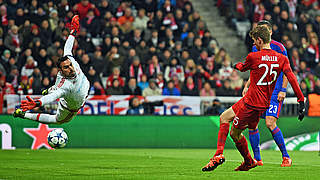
x=242 y=146
x=222 y=137
x=278 y=138
x=254 y=137
x=43 y=118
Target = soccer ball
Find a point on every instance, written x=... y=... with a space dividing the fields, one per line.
x=57 y=138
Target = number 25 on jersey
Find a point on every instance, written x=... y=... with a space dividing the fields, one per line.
x=266 y=72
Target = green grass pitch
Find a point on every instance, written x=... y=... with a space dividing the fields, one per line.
x=147 y=164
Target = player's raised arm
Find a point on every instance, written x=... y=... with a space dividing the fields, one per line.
x=67 y=51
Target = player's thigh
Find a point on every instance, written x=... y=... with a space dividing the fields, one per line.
x=274 y=108
x=227 y=116
x=247 y=118
x=64 y=115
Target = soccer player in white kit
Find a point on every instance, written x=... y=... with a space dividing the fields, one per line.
x=71 y=88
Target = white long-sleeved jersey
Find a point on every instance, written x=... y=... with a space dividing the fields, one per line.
x=72 y=92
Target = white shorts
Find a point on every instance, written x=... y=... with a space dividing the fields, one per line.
x=64 y=114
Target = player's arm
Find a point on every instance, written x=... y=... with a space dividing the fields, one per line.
x=294 y=83
x=31 y=103
x=282 y=93
x=75 y=27
x=244 y=66
x=52 y=96
x=246 y=87
x=67 y=51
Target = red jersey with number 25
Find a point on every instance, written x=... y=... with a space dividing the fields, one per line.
x=265 y=66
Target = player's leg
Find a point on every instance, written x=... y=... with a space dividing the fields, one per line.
x=39 y=117
x=225 y=119
x=63 y=115
x=254 y=137
x=271 y=122
x=242 y=146
x=245 y=117
x=278 y=138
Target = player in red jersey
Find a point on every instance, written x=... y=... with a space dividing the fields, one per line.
x=265 y=66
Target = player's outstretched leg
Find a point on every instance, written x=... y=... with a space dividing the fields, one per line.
x=254 y=137
x=278 y=138
x=242 y=146
x=225 y=119
x=43 y=118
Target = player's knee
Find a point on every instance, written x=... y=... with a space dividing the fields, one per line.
x=271 y=123
x=226 y=117
x=234 y=135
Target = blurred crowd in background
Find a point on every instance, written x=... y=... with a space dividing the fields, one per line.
x=146 y=47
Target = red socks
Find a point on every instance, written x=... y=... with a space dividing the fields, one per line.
x=242 y=147
x=222 y=137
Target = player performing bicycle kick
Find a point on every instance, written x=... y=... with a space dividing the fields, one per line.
x=71 y=87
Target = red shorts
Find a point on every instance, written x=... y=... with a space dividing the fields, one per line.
x=246 y=117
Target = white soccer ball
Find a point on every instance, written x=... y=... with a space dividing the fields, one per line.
x=57 y=138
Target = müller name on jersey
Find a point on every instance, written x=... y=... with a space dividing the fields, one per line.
x=269 y=58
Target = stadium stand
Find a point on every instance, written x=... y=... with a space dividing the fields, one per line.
x=152 y=40
x=161 y=41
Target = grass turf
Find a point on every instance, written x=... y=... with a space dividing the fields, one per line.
x=147 y=164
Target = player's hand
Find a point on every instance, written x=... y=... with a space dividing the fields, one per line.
x=237 y=66
x=281 y=96
x=45 y=92
x=301 y=110
x=244 y=92
x=75 y=26
x=29 y=104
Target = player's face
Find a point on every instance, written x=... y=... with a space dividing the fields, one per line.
x=67 y=69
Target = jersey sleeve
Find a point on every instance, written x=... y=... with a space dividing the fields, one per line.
x=246 y=65
x=57 y=91
x=284 y=52
x=292 y=79
x=67 y=51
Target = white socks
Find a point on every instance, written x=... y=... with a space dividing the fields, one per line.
x=43 y=118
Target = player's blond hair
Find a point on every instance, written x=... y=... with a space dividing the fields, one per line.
x=261 y=32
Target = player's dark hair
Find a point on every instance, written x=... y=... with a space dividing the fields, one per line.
x=60 y=60
x=261 y=32
x=265 y=22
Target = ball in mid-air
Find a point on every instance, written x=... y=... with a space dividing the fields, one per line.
x=57 y=138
